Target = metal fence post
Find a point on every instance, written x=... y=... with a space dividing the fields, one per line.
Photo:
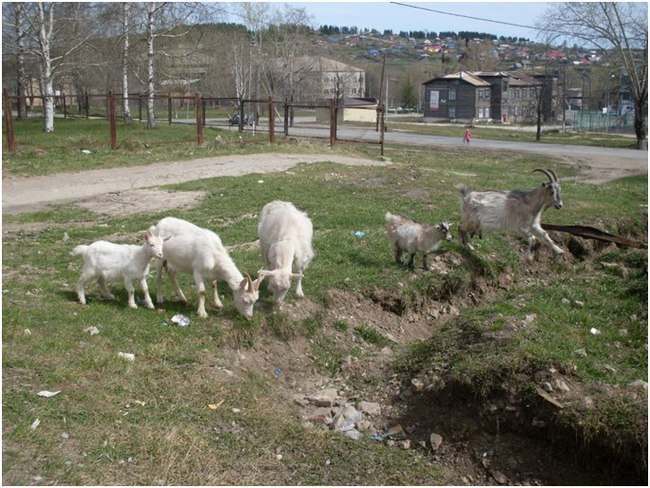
x=87 y=105
x=199 y=119
x=332 y=122
x=286 y=119
x=271 y=122
x=169 y=108
x=382 y=127
x=241 y=116
x=111 y=120
x=6 y=102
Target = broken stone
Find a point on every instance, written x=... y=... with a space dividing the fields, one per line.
x=417 y=384
x=538 y=423
x=561 y=385
x=320 y=415
x=364 y=426
x=370 y=408
x=578 y=304
x=435 y=440
x=353 y=434
x=530 y=318
x=406 y=444
x=325 y=398
x=349 y=411
x=547 y=386
x=580 y=352
x=639 y=384
x=499 y=477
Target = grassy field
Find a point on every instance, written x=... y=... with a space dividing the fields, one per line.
x=148 y=421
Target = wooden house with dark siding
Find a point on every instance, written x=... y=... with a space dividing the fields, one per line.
x=461 y=97
x=500 y=96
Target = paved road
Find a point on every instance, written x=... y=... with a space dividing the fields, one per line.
x=25 y=194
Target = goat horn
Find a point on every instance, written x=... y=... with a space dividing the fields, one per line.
x=553 y=173
x=249 y=284
x=550 y=178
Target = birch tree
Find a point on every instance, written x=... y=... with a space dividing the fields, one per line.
x=126 y=109
x=13 y=38
x=620 y=32
x=165 y=20
x=52 y=39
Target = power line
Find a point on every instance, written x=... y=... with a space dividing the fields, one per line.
x=435 y=11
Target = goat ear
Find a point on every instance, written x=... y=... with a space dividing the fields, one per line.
x=165 y=239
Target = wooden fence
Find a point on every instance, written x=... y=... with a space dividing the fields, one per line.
x=110 y=106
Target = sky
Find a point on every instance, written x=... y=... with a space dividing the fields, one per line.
x=389 y=15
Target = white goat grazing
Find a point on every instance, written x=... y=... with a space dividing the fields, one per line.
x=192 y=249
x=108 y=262
x=407 y=235
x=285 y=239
x=513 y=211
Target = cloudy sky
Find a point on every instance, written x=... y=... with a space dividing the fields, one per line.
x=491 y=17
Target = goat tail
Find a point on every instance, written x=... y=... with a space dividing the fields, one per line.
x=79 y=250
x=389 y=217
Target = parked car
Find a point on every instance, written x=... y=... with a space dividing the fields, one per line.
x=234 y=120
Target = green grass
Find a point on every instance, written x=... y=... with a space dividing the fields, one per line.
x=174 y=438
x=39 y=153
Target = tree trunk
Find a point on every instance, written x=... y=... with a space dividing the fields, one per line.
x=151 y=116
x=46 y=67
x=125 y=59
x=21 y=81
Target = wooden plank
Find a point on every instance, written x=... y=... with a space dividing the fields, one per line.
x=593 y=233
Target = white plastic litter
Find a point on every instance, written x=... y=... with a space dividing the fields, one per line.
x=127 y=355
x=594 y=331
x=35 y=424
x=48 y=394
x=181 y=320
x=92 y=330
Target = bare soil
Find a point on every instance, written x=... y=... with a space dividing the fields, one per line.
x=476 y=450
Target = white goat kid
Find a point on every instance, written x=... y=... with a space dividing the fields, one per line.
x=108 y=262
x=406 y=235
x=286 y=242
x=515 y=211
x=192 y=249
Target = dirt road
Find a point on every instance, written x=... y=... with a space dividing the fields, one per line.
x=20 y=195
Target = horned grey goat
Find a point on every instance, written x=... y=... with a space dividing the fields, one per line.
x=514 y=211
x=192 y=249
x=109 y=262
x=285 y=239
x=406 y=235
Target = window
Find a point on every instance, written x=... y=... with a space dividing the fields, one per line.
x=452 y=94
x=452 y=112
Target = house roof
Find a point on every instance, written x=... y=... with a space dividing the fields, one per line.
x=470 y=78
x=321 y=65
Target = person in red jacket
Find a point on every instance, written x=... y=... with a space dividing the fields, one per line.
x=468 y=136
